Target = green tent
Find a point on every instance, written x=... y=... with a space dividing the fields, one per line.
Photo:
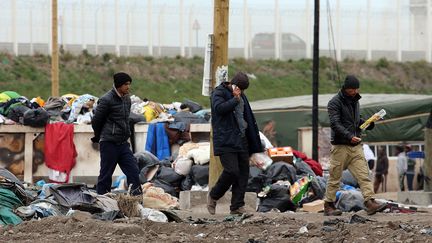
x=405 y=120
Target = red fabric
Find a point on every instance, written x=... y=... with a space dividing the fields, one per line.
x=60 y=152
x=315 y=166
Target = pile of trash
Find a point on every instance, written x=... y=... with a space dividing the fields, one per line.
x=20 y=202
x=78 y=109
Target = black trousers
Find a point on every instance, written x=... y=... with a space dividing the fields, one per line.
x=112 y=154
x=236 y=174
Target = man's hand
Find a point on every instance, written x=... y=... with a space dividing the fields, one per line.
x=94 y=139
x=355 y=140
x=236 y=92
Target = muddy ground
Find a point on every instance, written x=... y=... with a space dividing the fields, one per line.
x=259 y=227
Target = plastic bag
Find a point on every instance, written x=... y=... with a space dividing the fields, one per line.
x=152 y=214
x=182 y=166
x=260 y=160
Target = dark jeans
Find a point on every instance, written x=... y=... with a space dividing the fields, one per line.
x=112 y=154
x=371 y=164
x=236 y=174
x=410 y=178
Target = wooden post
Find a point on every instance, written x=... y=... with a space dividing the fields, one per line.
x=220 y=57
x=54 y=51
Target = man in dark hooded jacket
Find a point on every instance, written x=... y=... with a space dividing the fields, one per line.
x=235 y=138
x=111 y=128
x=347 y=151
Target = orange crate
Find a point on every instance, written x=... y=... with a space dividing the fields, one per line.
x=281 y=154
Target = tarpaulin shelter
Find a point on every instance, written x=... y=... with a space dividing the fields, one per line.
x=406 y=116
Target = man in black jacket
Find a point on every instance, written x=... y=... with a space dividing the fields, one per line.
x=346 y=151
x=235 y=138
x=111 y=128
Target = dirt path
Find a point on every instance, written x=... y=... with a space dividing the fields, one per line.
x=269 y=227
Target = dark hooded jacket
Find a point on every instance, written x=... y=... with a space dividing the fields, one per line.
x=111 y=118
x=226 y=132
x=345 y=121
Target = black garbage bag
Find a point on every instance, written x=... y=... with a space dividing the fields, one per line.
x=75 y=196
x=146 y=162
x=279 y=198
x=167 y=187
x=280 y=171
x=168 y=175
x=146 y=159
x=303 y=169
x=200 y=174
x=193 y=106
x=187 y=183
x=16 y=112
x=36 y=117
x=256 y=180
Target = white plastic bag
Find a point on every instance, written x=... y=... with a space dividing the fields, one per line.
x=182 y=165
x=260 y=160
x=152 y=214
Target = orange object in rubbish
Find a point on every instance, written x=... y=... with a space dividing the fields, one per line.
x=284 y=154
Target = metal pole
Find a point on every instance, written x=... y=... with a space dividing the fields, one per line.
x=245 y=31
x=308 y=31
x=398 y=32
x=54 y=54
x=117 y=46
x=128 y=28
x=277 y=31
x=368 y=41
x=338 y=32
x=160 y=29
x=14 y=28
x=190 y=31
x=315 y=82
x=181 y=29
x=62 y=29
x=74 y=25
x=428 y=32
x=31 y=30
x=83 y=39
x=96 y=32
x=149 y=27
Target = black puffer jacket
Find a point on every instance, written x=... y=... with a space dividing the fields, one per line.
x=111 y=118
x=226 y=132
x=345 y=121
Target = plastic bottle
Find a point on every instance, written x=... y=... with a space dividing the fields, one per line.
x=377 y=116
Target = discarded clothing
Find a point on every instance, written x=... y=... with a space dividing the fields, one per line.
x=60 y=152
x=157 y=141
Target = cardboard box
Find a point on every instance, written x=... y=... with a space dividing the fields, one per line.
x=284 y=154
x=314 y=207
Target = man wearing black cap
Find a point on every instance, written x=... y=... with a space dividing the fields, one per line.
x=346 y=151
x=110 y=124
x=235 y=138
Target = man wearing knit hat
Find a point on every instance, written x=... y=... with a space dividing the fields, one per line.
x=347 y=151
x=111 y=128
x=235 y=138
